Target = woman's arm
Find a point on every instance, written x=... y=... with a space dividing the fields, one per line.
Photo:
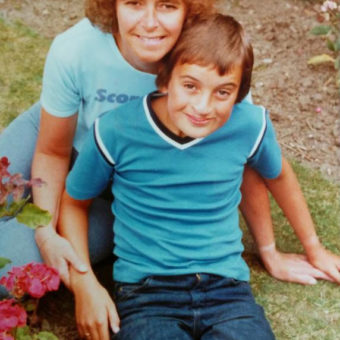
x=51 y=163
x=255 y=209
x=95 y=310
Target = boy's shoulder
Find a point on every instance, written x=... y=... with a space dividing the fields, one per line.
x=128 y=114
x=248 y=114
x=248 y=108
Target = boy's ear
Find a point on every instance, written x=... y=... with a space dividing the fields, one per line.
x=163 y=89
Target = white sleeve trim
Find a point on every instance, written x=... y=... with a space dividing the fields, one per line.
x=101 y=144
x=261 y=134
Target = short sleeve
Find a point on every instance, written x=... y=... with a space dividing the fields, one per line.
x=60 y=93
x=267 y=158
x=91 y=172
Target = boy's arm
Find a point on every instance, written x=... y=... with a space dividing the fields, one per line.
x=255 y=209
x=287 y=193
x=95 y=310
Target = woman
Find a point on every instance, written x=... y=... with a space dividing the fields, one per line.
x=106 y=59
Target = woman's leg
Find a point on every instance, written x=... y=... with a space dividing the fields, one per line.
x=17 y=143
x=17 y=243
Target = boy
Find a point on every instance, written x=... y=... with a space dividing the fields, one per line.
x=177 y=159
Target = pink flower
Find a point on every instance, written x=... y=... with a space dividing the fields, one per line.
x=35 y=288
x=34 y=279
x=328 y=5
x=6 y=336
x=11 y=315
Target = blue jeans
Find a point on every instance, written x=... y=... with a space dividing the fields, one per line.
x=17 y=142
x=189 y=307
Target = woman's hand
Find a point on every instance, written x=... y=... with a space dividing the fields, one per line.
x=57 y=252
x=95 y=310
x=292 y=267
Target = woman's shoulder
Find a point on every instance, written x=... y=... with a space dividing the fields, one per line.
x=82 y=35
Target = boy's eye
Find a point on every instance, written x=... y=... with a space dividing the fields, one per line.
x=189 y=86
x=223 y=94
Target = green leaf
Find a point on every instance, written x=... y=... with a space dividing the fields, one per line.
x=330 y=45
x=4 y=261
x=30 y=305
x=337 y=45
x=15 y=207
x=33 y=216
x=320 y=59
x=2 y=210
x=45 y=336
x=337 y=63
x=321 y=30
x=23 y=333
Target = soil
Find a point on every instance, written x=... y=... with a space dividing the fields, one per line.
x=303 y=100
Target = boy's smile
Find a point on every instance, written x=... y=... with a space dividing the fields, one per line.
x=148 y=29
x=198 y=100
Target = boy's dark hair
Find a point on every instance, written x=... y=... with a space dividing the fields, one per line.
x=102 y=13
x=215 y=40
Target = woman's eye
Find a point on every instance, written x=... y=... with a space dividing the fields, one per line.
x=168 y=5
x=133 y=3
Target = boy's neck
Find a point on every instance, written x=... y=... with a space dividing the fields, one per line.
x=160 y=107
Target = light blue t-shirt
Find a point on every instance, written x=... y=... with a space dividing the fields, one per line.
x=176 y=199
x=85 y=73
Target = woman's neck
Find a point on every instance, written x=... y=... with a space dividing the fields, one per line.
x=134 y=61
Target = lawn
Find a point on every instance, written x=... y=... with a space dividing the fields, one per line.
x=296 y=312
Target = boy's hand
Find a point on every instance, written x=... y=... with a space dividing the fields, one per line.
x=326 y=261
x=292 y=267
x=95 y=310
x=57 y=252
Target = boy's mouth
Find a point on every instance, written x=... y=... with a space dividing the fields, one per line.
x=198 y=120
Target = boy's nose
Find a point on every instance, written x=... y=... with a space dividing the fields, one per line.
x=202 y=104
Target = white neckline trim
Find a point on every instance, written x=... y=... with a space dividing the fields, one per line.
x=101 y=144
x=162 y=134
x=261 y=133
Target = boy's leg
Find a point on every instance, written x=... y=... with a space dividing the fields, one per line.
x=157 y=309
x=155 y=328
x=232 y=313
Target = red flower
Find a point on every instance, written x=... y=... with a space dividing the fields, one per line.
x=4 y=164
x=11 y=315
x=6 y=336
x=34 y=279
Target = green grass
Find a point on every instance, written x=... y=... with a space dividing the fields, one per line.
x=296 y=312
x=22 y=55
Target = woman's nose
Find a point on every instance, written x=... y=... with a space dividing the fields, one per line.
x=150 y=20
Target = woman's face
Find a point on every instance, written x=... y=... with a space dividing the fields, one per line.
x=148 y=29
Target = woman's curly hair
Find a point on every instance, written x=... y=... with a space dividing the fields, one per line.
x=102 y=13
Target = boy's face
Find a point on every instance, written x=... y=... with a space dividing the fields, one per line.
x=148 y=29
x=199 y=100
